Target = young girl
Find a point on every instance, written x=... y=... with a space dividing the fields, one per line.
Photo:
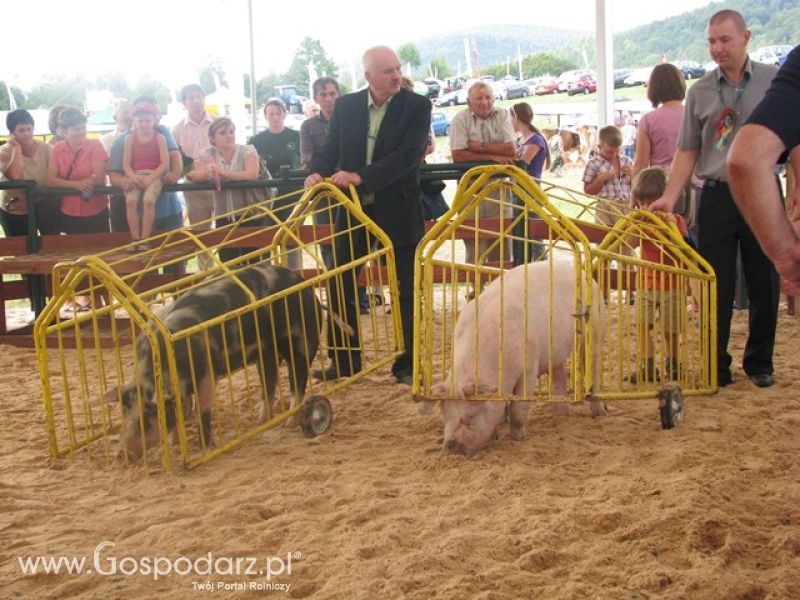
x=531 y=145
x=145 y=161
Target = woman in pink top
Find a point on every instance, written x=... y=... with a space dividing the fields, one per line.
x=657 y=138
x=80 y=164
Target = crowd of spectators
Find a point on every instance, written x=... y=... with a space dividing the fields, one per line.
x=139 y=156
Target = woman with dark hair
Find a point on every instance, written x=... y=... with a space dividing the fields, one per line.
x=22 y=157
x=531 y=145
x=531 y=148
x=80 y=164
x=279 y=146
x=657 y=137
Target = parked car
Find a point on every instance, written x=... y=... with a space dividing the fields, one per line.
x=448 y=99
x=639 y=76
x=421 y=88
x=584 y=84
x=440 y=123
x=620 y=75
x=690 y=69
x=452 y=84
x=567 y=76
x=517 y=89
x=545 y=85
x=434 y=87
x=781 y=51
x=765 y=55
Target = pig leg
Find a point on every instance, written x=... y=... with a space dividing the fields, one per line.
x=518 y=413
x=559 y=386
x=269 y=377
x=598 y=407
x=205 y=396
x=297 y=384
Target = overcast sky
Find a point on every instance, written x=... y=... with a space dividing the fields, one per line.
x=169 y=39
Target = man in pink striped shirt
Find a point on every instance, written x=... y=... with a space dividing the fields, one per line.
x=191 y=134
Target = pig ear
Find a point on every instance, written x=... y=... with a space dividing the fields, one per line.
x=112 y=396
x=426 y=406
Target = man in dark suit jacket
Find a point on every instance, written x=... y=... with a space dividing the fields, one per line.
x=376 y=138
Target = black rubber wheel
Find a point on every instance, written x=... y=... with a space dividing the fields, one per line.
x=670 y=405
x=316 y=416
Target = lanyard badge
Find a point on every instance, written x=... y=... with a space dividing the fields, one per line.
x=725 y=127
x=727 y=116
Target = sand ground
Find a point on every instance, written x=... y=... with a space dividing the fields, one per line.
x=612 y=507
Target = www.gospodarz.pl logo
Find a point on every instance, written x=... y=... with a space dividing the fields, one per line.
x=104 y=563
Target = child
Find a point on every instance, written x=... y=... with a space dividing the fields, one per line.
x=658 y=293
x=145 y=161
x=608 y=176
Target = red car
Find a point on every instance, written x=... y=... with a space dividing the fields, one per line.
x=546 y=85
x=585 y=84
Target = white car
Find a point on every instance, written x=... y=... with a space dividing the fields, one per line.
x=765 y=55
x=639 y=76
x=448 y=99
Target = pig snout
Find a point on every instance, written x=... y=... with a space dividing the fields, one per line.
x=469 y=426
x=138 y=432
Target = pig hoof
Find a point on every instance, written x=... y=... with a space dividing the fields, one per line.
x=517 y=433
x=561 y=409
x=598 y=408
x=455 y=447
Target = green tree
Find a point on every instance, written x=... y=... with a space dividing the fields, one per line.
x=115 y=82
x=310 y=50
x=151 y=87
x=439 y=68
x=497 y=70
x=61 y=89
x=265 y=88
x=544 y=63
x=408 y=53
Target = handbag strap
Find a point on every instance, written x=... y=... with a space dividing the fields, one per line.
x=72 y=164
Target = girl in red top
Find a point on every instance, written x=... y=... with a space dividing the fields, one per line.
x=144 y=161
x=661 y=293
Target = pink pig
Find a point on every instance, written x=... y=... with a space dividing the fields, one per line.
x=469 y=425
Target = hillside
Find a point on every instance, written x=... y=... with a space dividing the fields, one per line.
x=495 y=43
x=684 y=36
x=680 y=37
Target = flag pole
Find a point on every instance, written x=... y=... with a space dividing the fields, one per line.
x=253 y=100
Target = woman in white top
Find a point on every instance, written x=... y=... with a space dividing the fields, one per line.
x=230 y=161
x=22 y=157
x=225 y=160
